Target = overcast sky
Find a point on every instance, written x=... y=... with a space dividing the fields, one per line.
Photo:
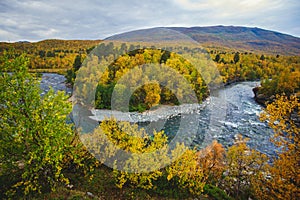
x=96 y=19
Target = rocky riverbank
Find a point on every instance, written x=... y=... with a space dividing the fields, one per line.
x=159 y=113
x=219 y=118
x=261 y=98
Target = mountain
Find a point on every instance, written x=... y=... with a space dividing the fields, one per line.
x=233 y=37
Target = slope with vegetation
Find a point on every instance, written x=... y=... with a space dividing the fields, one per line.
x=41 y=157
x=151 y=93
x=51 y=55
x=278 y=73
x=244 y=39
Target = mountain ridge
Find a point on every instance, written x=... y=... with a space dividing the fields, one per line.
x=240 y=38
x=237 y=38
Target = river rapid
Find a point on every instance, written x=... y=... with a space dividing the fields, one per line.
x=229 y=111
x=56 y=81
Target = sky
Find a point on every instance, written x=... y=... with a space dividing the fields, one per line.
x=32 y=20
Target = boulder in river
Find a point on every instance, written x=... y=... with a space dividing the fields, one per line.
x=261 y=98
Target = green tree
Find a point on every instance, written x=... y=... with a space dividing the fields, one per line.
x=36 y=144
x=236 y=57
x=42 y=53
x=71 y=73
x=217 y=58
x=77 y=63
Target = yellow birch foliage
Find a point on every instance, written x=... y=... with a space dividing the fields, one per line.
x=139 y=144
x=244 y=168
x=186 y=170
x=212 y=161
x=283 y=117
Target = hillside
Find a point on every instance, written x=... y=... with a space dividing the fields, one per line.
x=239 y=38
x=50 y=44
x=51 y=55
x=253 y=39
x=54 y=55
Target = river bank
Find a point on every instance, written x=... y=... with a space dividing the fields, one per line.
x=158 y=113
x=231 y=110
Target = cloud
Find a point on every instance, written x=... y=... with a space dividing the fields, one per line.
x=227 y=6
x=9 y=36
x=96 y=19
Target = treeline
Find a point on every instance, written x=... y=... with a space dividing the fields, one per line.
x=51 y=55
x=163 y=76
x=157 y=84
x=61 y=55
x=279 y=74
x=241 y=66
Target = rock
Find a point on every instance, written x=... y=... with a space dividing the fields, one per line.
x=296 y=118
x=255 y=91
x=70 y=186
x=160 y=113
x=90 y=194
x=272 y=97
x=259 y=98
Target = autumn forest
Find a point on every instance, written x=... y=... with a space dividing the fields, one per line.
x=42 y=153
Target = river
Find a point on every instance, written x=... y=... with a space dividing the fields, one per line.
x=56 y=81
x=239 y=115
x=221 y=119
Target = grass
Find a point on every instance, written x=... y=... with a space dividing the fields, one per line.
x=102 y=186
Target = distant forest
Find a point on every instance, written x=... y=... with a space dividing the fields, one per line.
x=278 y=73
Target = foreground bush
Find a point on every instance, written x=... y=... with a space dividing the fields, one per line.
x=37 y=146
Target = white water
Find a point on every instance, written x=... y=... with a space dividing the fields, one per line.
x=236 y=113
